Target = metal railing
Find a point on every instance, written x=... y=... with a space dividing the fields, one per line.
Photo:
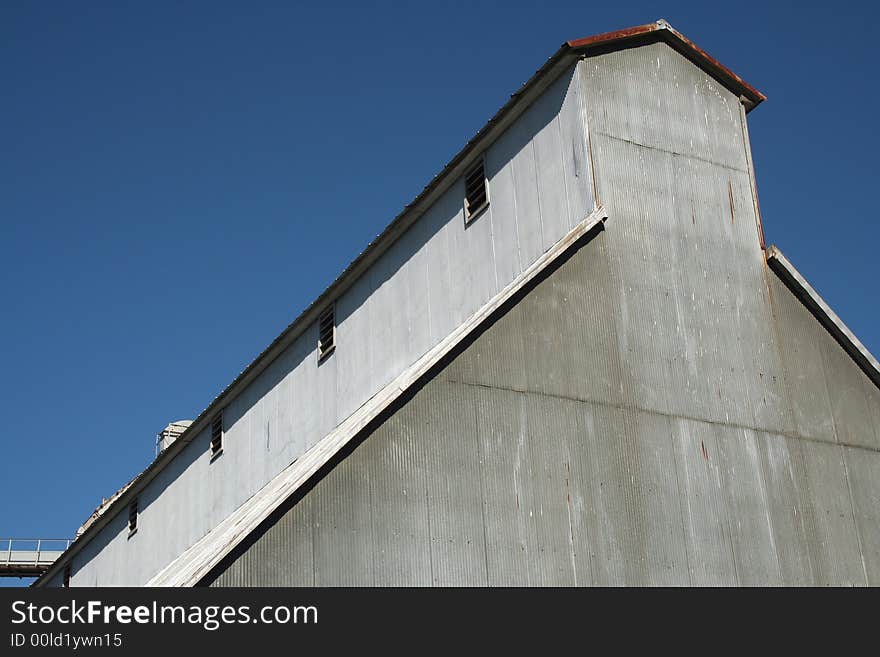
x=30 y=555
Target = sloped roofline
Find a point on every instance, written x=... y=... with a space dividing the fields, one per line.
x=197 y=561
x=566 y=55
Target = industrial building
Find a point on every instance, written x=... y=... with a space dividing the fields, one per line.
x=571 y=360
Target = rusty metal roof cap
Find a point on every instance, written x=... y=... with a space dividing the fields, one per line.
x=661 y=30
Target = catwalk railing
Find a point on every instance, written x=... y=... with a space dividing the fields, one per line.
x=29 y=557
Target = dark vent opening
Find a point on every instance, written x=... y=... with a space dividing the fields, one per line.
x=476 y=192
x=326 y=333
x=217 y=434
x=133 y=515
x=65 y=578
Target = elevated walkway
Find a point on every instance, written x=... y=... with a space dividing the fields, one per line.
x=29 y=557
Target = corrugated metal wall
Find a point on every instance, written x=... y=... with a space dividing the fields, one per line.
x=660 y=410
x=512 y=467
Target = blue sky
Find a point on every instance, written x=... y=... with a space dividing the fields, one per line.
x=179 y=180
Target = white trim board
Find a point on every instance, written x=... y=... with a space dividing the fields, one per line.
x=822 y=311
x=198 y=560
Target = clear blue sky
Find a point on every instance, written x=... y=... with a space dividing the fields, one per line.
x=179 y=180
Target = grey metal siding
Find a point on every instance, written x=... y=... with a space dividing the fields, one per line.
x=832 y=399
x=685 y=264
x=649 y=414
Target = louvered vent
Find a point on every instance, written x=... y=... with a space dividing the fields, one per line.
x=217 y=434
x=326 y=333
x=133 y=515
x=476 y=191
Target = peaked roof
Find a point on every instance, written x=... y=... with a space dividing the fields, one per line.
x=569 y=52
x=662 y=31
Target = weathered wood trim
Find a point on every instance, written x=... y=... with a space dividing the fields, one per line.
x=197 y=561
